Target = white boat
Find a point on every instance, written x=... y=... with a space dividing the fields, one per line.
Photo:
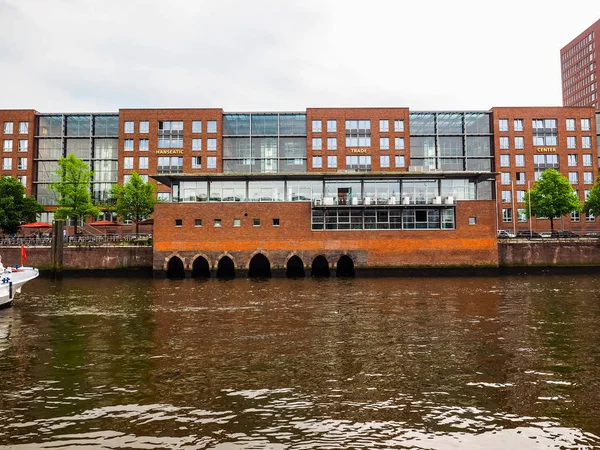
x=12 y=280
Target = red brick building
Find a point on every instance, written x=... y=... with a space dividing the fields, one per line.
x=579 y=69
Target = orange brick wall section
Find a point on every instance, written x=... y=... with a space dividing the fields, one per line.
x=16 y=116
x=467 y=245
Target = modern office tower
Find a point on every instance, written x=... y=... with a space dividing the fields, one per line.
x=579 y=69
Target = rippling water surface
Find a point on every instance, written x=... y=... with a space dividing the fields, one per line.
x=419 y=363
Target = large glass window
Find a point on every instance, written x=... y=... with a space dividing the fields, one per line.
x=236 y=124
x=78 y=147
x=266 y=191
x=264 y=124
x=422 y=123
x=170 y=134
x=170 y=164
x=51 y=126
x=106 y=148
x=358 y=133
x=78 y=125
x=106 y=126
x=292 y=124
x=359 y=163
x=545 y=132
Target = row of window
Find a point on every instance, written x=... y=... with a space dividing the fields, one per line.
x=7 y=163
x=505 y=179
x=358 y=162
x=583 y=43
x=546 y=159
x=548 y=140
x=544 y=124
x=173 y=125
x=384 y=143
x=520 y=196
x=9 y=127
x=507 y=216
x=384 y=125
x=169 y=164
x=7 y=145
x=218 y=223
x=144 y=144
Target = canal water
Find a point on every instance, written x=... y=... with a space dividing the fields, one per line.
x=420 y=363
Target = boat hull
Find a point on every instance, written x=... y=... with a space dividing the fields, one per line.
x=13 y=280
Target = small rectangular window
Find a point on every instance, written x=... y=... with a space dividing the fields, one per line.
x=196 y=144
x=144 y=145
x=144 y=126
x=197 y=222
x=128 y=145
x=504 y=160
x=472 y=221
x=237 y=223
x=384 y=143
x=197 y=126
x=143 y=162
x=8 y=127
x=256 y=222
x=317 y=162
x=399 y=160
x=331 y=143
x=384 y=126
x=211 y=145
x=129 y=126
x=178 y=222
x=504 y=143
x=128 y=163
x=6 y=163
x=8 y=144
x=276 y=222
x=399 y=143
x=217 y=223
x=23 y=127
x=332 y=162
x=585 y=124
x=570 y=124
x=331 y=126
x=317 y=143
x=519 y=142
x=317 y=126
x=22 y=163
x=23 y=145
x=211 y=126
x=384 y=161
x=518 y=124
x=211 y=162
x=503 y=124
x=399 y=126
x=519 y=160
x=196 y=162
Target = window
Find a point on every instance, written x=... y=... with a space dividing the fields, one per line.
x=504 y=143
x=23 y=145
x=162 y=196
x=503 y=124
x=144 y=126
x=196 y=144
x=507 y=214
x=128 y=162
x=545 y=132
x=585 y=124
x=22 y=163
x=144 y=145
x=505 y=177
x=8 y=145
x=589 y=217
x=317 y=162
x=588 y=178
x=23 y=180
x=586 y=142
x=520 y=177
x=520 y=196
x=587 y=160
x=170 y=164
x=384 y=143
x=143 y=162
x=506 y=197
x=384 y=126
x=23 y=127
x=399 y=160
x=570 y=124
x=384 y=161
x=571 y=142
x=504 y=160
x=575 y=216
x=8 y=127
x=317 y=143
x=519 y=160
x=572 y=160
x=237 y=223
x=217 y=223
x=399 y=143
x=472 y=221
x=518 y=125
x=519 y=142
x=276 y=222
x=128 y=145
x=128 y=127
x=211 y=162
x=196 y=126
x=256 y=222
x=178 y=222
x=332 y=162
x=317 y=126
x=573 y=178
x=170 y=134
x=211 y=145
x=331 y=126
x=586 y=194
x=358 y=133
x=331 y=143
x=197 y=222
x=521 y=215
x=196 y=162
x=399 y=126
x=361 y=163
x=211 y=126
x=6 y=163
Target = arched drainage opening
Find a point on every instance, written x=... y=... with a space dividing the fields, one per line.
x=225 y=268
x=320 y=267
x=200 y=268
x=345 y=267
x=175 y=268
x=295 y=268
x=259 y=267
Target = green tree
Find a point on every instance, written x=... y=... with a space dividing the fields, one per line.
x=15 y=208
x=73 y=190
x=551 y=196
x=592 y=203
x=135 y=200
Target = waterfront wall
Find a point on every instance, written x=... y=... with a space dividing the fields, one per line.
x=545 y=252
x=468 y=245
x=83 y=257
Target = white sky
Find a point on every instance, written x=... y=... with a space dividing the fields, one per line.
x=284 y=55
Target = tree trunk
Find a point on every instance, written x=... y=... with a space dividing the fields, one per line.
x=75 y=228
x=551 y=224
x=136 y=228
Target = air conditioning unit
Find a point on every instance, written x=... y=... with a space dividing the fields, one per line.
x=450 y=200
x=437 y=200
x=367 y=200
x=392 y=201
x=406 y=200
x=355 y=200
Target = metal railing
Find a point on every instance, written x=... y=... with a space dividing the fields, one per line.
x=46 y=241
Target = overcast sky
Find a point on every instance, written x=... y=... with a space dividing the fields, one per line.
x=259 y=55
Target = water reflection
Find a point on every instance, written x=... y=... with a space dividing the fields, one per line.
x=433 y=363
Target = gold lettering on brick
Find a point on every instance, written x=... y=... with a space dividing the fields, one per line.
x=546 y=150
x=358 y=150
x=169 y=152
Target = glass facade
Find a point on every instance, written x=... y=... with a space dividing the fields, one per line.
x=264 y=143
x=451 y=141
x=92 y=138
